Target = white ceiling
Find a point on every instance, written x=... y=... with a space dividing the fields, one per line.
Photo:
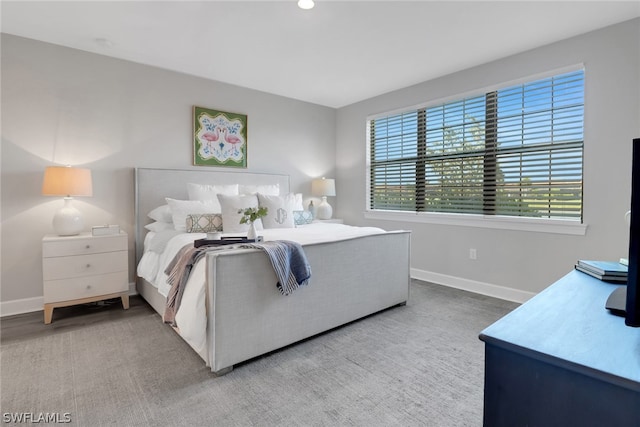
x=336 y=54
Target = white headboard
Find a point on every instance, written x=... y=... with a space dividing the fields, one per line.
x=153 y=185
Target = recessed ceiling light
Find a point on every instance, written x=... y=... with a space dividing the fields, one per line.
x=306 y=4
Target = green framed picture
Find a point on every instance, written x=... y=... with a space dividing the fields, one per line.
x=219 y=138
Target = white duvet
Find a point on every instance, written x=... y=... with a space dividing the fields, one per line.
x=160 y=249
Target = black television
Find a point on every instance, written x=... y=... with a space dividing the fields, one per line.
x=625 y=301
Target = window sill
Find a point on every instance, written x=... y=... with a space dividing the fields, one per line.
x=556 y=226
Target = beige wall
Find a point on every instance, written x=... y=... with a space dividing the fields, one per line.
x=524 y=261
x=65 y=106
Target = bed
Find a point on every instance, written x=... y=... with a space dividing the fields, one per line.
x=232 y=311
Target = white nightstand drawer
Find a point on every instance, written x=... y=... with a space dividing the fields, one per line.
x=85 y=287
x=84 y=265
x=84 y=268
x=79 y=245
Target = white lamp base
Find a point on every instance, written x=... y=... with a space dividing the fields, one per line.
x=68 y=220
x=324 y=210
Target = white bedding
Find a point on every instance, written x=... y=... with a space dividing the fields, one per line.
x=160 y=249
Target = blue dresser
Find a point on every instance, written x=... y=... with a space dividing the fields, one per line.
x=561 y=359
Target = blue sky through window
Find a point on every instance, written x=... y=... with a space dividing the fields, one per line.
x=547 y=111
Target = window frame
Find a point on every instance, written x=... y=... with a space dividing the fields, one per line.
x=546 y=225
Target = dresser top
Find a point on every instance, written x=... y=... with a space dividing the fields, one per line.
x=568 y=324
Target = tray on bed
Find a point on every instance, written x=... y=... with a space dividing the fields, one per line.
x=225 y=241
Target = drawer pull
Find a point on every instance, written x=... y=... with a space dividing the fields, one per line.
x=88 y=265
x=88 y=286
x=88 y=247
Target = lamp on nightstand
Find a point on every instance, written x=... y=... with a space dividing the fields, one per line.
x=323 y=187
x=67 y=182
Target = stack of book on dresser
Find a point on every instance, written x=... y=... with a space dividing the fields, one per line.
x=609 y=271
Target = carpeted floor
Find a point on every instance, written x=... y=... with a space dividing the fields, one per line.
x=414 y=365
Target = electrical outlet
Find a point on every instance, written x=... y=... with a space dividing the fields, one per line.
x=473 y=254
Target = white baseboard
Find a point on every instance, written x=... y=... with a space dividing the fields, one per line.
x=29 y=305
x=19 y=306
x=482 y=288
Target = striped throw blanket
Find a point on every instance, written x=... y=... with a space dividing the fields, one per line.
x=287 y=258
x=178 y=272
x=289 y=263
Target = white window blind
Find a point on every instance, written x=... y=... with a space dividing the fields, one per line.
x=515 y=151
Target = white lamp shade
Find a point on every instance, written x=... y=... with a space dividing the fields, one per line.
x=323 y=187
x=67 y=181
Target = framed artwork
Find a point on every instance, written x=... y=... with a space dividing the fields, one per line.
x=219 y=138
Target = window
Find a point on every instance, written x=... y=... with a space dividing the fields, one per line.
x=515 y=151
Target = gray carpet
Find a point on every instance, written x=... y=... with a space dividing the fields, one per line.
x=414 y=365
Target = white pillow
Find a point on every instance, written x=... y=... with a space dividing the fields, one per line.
x=158 y=226
x=181 y=208
x=209 y=193
x=279 y=210
x=161 y=214
x=230 y=216
x=270 y=189
x=299 y=206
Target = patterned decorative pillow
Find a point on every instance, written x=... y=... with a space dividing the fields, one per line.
x=302 y=217
x=204 y=223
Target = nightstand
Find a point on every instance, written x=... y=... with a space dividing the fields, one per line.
x=84 y=268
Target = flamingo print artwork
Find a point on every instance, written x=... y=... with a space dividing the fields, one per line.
x=211 y=137
x=232 y=139
x=220 y=138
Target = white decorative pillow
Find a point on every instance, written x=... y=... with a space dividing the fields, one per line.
x=230 y=216
x=279 y=210
x=269 y=189
x=209 y=193
x=161 y=214
x=204 y=223
x=181 y=208
x=158 y=226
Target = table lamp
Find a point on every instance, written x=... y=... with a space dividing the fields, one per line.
x=67 y=182
x=323 y=188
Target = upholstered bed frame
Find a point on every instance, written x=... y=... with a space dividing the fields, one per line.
x=246 y=315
